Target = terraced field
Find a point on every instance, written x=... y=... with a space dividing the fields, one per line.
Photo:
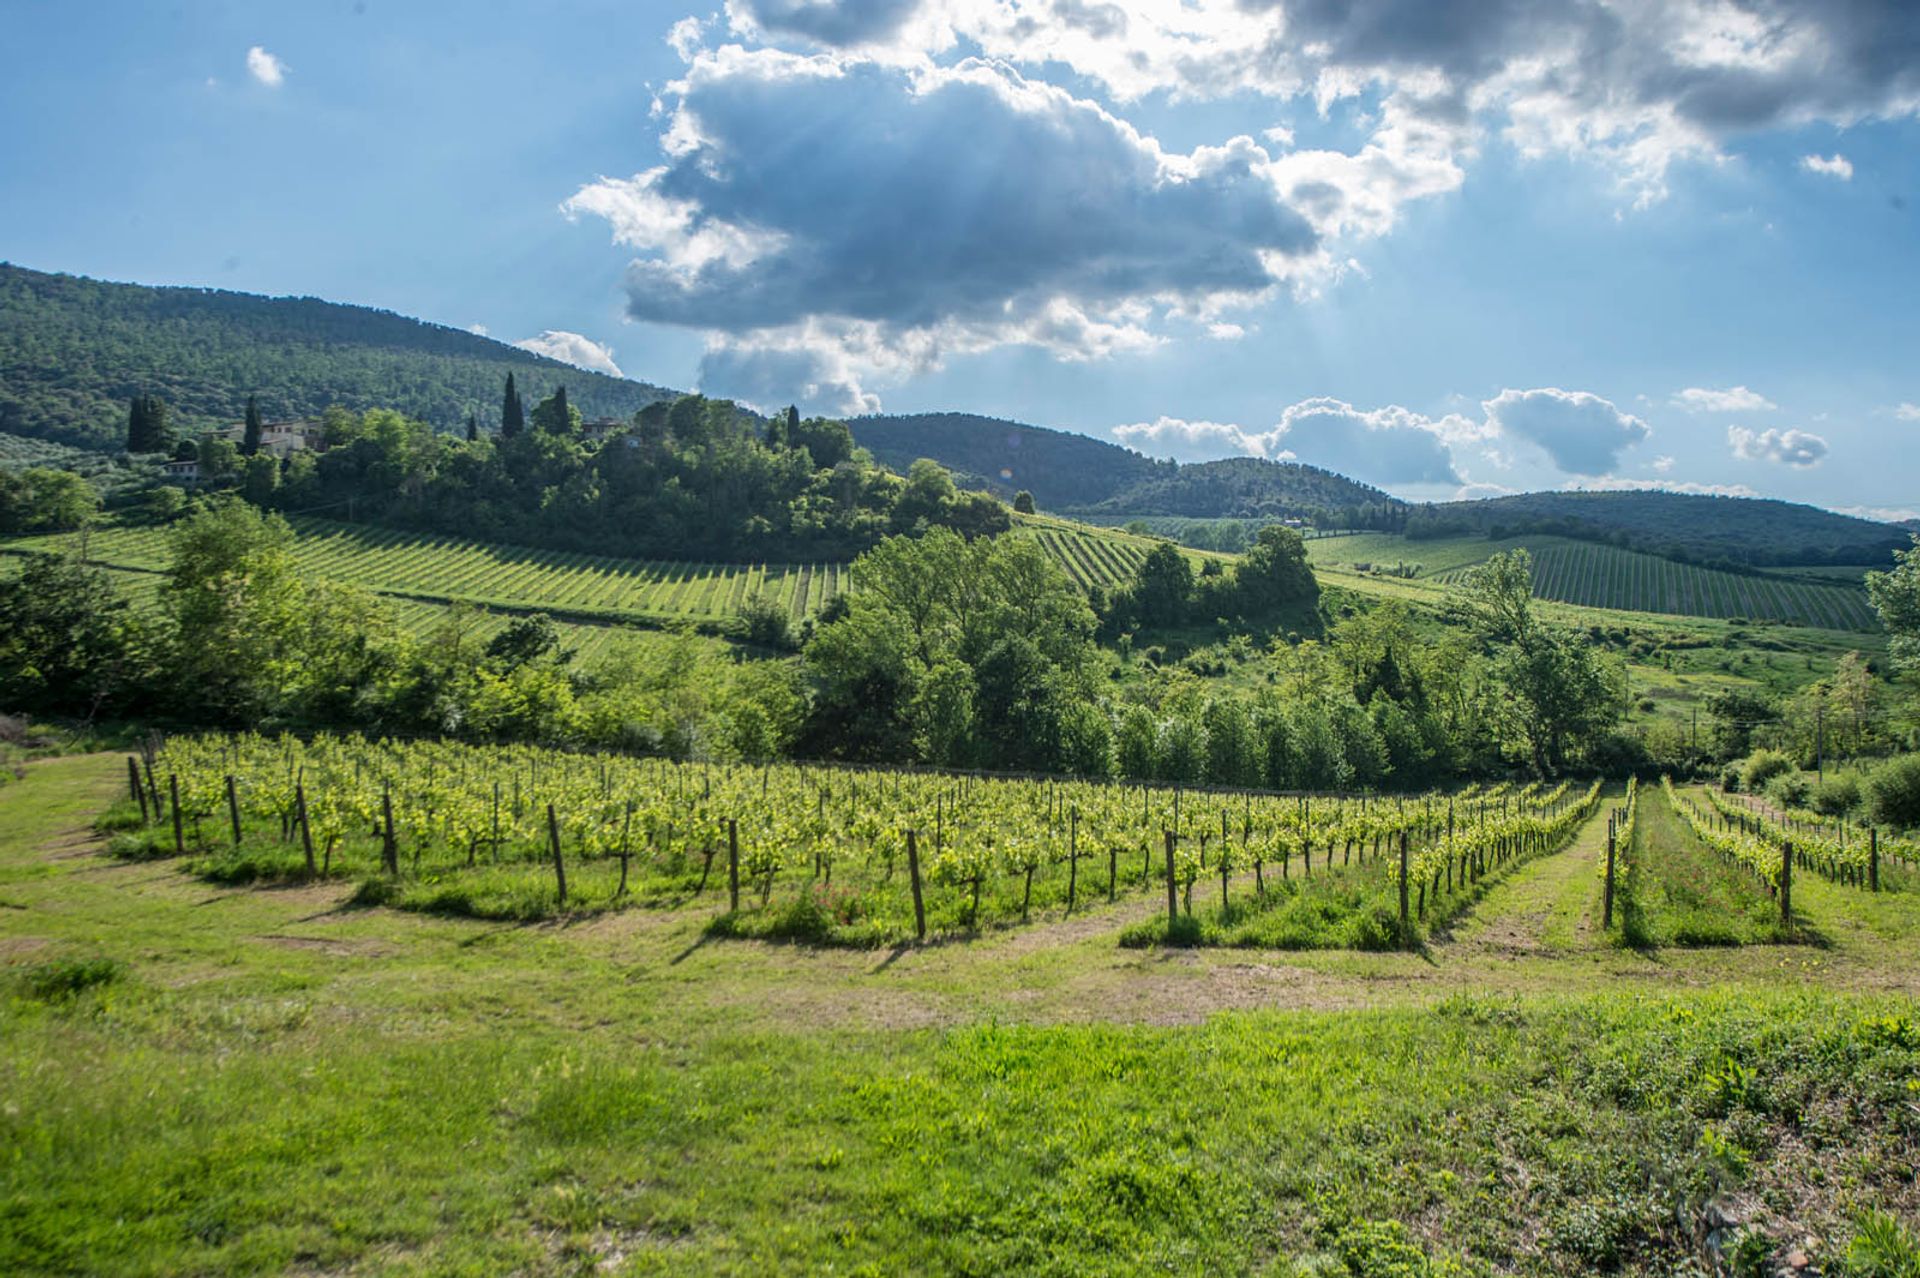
x=1597 y=576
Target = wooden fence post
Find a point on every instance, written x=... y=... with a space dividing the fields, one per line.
x=179 y=839
x=1873 y=858
x=1073 y=859
x=306 y=831
x=559 y=867
x=913 y=873
x=233 y=809
x=733 y=865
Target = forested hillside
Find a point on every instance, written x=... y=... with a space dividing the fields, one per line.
x=1077 y=474
x=73 y=351
x=1719 y=531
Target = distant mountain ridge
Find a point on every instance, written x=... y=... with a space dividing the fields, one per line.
x=74 y=350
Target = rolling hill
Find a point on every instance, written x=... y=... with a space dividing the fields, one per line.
x=1076 y=474
x=73 y=351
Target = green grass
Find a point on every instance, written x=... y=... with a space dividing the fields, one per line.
x=1592 y=575
x=279 y=1082
x=1680 y=892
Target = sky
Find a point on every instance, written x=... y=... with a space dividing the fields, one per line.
x=1449 y=247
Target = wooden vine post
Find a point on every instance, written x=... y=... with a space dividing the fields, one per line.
x=389 y=849
x=306 y=831
x=913 y=874
x=733 y=865
x=1786 y=885
x=1873 y=858
x=179 y=838
x=1607 y=897
x=1173 y=900
x=1403 y=881
x=1073 y=858
x=139 y=792
x=559 y=867
x=233 y=809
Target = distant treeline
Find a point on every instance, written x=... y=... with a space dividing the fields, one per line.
x=1733 y=533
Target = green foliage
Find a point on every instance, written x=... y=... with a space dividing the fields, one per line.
x=1896 y=596
x=41 y=500
x=63 y=979
x=1884 y=1248
x=71 y=348
x=1893 y=792
x=1761 y=767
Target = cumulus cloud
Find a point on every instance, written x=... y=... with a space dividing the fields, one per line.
x=1907 y=412
x=1879 y=514
x=1795 y=448
x=1189 y=441
x=1615 y=484
x=1583 y=433
x=572 y=348
x=1389 y=446
x=949 y=209
x=1833 y=166
x=1637 y=85
x=1734 y=399
x=265 y=68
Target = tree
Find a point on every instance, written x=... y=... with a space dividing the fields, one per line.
x=43 y=500
x=147 y=425
x=65 y=643
x=1023 y=502
x=234 y=600
x=1896 y=596
x=1274 y=575
x=1163 y=586
x=512 y=416
x=250 y=434
x=473 y=427
x=555 y=416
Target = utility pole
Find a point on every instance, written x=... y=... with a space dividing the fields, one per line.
x=1820 y=742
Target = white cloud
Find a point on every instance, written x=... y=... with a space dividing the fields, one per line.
x=572 y=348
x=1661 y=464
x=1391 y=445
x=1190 y=441
x=1583 y=433
x=1880 y=514
x=1907 y=412
x=1795 y=448
x=265 y=68
x=1833 y=166
x=1615 y=484
x=1734 y=399
x=478 y=330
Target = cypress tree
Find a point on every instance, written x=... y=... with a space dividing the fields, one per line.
x=512 y=419
x=473 y=427
x=146 y=424
x=250 y=438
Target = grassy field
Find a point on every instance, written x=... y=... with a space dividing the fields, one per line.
x=1682 y=893
x=1597 y=576
x=226 y=1082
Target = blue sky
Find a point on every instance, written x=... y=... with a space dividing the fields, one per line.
x=1445 y=247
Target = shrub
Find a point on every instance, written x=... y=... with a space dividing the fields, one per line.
x=61 y=979
x=1761 y=767
x=1838 y=795
x=1730 y=778
x=767 y=623
x=1790 y=790
x=1893 y=792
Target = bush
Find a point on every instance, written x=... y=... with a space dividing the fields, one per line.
x=1761 y=767
x=1790 y=790
x=1893 y=792
x=60 y=979
x=767 y=623
x=1730 y=778
x=1840 y=794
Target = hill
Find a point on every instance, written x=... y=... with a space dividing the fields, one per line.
x=73 y=351
x=1076 y=474
x=1691 y=528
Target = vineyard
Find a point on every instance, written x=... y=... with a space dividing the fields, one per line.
x=1598 y=576
x=818 y=854
x=592 y=588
